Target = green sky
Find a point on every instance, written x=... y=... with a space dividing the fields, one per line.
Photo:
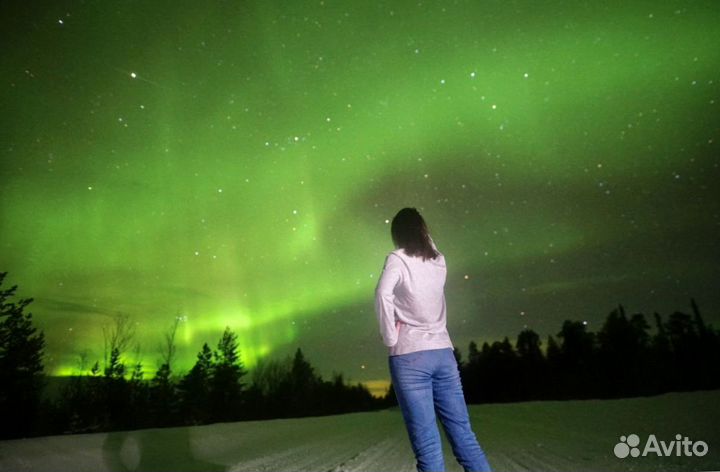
x=235 y=164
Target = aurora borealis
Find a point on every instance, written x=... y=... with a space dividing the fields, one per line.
x=236 y=164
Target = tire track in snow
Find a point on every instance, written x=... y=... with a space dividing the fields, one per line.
x=310 y=456
x=530 y=461
x=314 y=455
x=388 y=454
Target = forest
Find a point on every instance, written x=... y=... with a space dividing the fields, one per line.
x=625 y=358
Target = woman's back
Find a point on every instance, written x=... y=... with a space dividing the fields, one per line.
x=419 y=296
x=410 y=303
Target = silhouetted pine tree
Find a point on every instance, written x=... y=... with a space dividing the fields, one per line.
x=577 y=360
x=531 y=365
x=116 y=393
x=225 y=383
x=303 y=385
x=708 y=349
x=195 y=389
x=552 y=380
x=617 y=355
x=21 y=368
x=684 y=341
x=163 y=397
x=470 y=374
x=139 y=402
x=661 y=365
x=500 y=371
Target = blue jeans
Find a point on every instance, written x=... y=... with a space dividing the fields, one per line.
x=426 y=383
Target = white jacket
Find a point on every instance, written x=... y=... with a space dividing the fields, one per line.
x=410 y=303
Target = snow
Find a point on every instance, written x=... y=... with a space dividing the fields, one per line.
x=530 y=436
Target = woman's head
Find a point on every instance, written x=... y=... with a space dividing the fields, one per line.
x=410 y=233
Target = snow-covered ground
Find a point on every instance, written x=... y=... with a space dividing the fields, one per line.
x=532 y=436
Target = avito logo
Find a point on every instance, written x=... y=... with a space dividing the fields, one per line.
x=681 y=446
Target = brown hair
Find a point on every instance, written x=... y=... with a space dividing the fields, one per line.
x=410 y=233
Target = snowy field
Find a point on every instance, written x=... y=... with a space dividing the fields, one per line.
x=532 y=436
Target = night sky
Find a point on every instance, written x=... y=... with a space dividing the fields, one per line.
x=237 y=164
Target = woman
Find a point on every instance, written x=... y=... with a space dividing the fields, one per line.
x=410 y=307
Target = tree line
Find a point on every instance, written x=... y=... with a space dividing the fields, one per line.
x=622 y=359
x=116 y=396
x=215 y=389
